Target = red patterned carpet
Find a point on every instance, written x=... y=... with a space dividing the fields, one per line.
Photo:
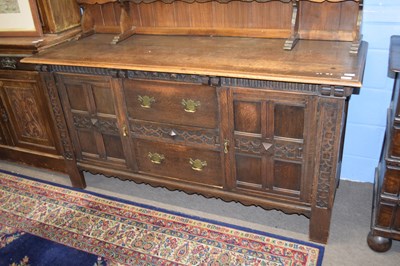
x=127 y=233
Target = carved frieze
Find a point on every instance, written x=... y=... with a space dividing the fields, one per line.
x=279 y=149
x=203 y=137
x=104 y=126
x=288 y=150
x=78 y=70
x=167 y=76
x=249 y=144
x=267 y=84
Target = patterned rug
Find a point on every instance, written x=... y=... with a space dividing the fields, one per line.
x=92 y=229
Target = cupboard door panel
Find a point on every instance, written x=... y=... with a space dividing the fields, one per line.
x=287 y=176
x=90 y=104
x=24 y=113
x=289 y=121
x=248 y=171
x=270 y=143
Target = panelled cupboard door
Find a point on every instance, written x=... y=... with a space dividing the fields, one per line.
x=24 y=119
x=91 y=109
x=273 y=143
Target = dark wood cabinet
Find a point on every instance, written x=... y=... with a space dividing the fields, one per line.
x=385 y=221
x=257 y=120
x=27 y=128
x=26 y=125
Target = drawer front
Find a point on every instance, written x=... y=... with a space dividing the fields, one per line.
x=395 y=142
x=179 y=162
x=388 y=216
x=391 y=181
x=171 y=102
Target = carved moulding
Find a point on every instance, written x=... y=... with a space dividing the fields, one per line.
x=165 y=76
x=278 y=148
x=101 y=125
x=202 y=137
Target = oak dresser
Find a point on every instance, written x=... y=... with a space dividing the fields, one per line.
x=241 y=100
x=385 y=222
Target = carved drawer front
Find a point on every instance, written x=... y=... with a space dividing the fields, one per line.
x=91 y=113
x=171 y=102
x=175 y=134
x=23 y=111
x=271 y=136
x=179 y=162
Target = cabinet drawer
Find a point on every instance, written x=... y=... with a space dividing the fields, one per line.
x=388 y=216
x=171 y=102
x=180 y=162
x=395 y=143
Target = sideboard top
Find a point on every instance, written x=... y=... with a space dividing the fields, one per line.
x=318 y=62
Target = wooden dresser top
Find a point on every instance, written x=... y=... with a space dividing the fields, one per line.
x=319 y=62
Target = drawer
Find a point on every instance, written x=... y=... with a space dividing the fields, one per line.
x=391 y=181
x=395 y=142
x=171 y=102
x=388 y=216
x=179 y=162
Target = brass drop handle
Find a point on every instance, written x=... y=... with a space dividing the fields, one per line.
x=124 y=131
x=190 y=105
x=146 y=101
x=197 y=165
x=156 y=158
x=226 y=146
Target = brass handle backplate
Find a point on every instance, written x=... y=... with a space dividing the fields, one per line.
x=197 y=164
x=156 y=158
x=146 y=101
x=190 y=105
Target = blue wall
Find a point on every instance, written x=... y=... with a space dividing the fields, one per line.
x=367 y=111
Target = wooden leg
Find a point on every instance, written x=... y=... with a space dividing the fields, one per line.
x=319 y=225
x=378 y=243
x=75 y=175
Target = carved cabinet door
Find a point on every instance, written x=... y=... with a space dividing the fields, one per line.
x=273 y=143
x=24 y=115
x=91 y=108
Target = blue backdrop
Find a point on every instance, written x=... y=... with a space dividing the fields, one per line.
x=367 y=111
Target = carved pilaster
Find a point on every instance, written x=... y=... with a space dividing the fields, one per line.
x=58 y=116
x=330 y=115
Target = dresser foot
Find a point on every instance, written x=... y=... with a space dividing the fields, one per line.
x=76 y=176
x=378 y=243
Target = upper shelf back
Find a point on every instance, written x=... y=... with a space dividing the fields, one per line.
x=310 y=19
